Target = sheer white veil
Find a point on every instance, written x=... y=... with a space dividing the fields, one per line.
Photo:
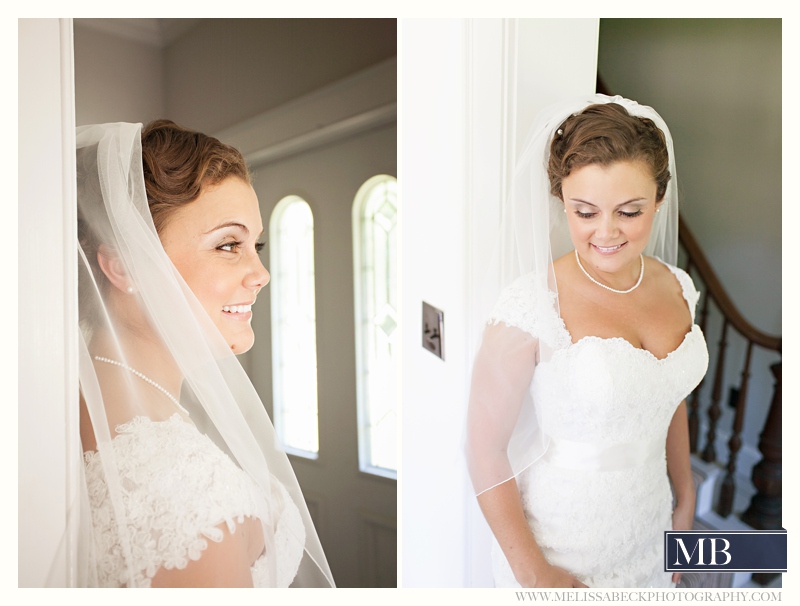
x=505 y=430
x=167 y=323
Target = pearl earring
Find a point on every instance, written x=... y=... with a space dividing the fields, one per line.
x=129 y=290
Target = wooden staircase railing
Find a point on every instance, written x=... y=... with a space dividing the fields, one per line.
x=765 y=508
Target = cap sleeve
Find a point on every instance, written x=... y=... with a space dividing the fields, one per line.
x=529 y=306
x=503 y=431
x=166 y=526
x=690 y=293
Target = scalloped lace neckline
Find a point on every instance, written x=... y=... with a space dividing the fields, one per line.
x=647 y=352
x=139 y=423
x=623 y=340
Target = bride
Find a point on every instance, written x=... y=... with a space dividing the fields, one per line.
x=186 y=483
x=577 y=421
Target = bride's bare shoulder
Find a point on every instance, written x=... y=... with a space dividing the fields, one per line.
x=671 y=285
x=564 y=268
x=665 y=275
x=564 y=260
x=656 y=266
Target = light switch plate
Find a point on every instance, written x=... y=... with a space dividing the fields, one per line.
x=433 y=329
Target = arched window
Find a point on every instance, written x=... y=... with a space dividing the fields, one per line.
x=375 y=253
x=294 y=326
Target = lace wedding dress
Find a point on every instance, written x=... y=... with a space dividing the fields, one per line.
x=599 y=500
x=177 y=488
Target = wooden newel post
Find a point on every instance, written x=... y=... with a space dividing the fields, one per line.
x=765 y=507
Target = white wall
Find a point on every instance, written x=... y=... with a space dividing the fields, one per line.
x=470 y=92
x=433 y=264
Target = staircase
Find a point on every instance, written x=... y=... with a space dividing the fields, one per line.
x=737 y=488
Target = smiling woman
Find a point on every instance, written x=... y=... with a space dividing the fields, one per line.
x=186 y=480
x=577 y=424
x=213 y=243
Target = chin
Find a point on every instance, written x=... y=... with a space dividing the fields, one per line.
x=239 y=343
x=241 y=346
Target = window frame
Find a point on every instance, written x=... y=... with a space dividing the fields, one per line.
x=360 y=305
x=278 y=327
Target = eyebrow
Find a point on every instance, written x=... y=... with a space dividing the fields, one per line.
x=617 y=206
x=231 y=224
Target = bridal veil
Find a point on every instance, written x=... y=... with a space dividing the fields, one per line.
x=216 y=395
x=505 y=431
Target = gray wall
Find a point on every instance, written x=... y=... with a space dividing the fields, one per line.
x=717 y=84
x=220 y=71
x=223 y=71
x=116 y=79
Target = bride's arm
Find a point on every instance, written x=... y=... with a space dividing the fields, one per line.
x=679 y=467
x=222 y=564
x=501 y=375
x=502 y=509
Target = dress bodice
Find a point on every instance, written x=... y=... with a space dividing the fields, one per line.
x=607 y=390
x=598 y=498
x=602 y=390
x=177 y=487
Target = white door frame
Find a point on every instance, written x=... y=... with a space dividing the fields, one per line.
x=49 y=445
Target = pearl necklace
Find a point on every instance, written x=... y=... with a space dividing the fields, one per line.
x=619 y=292
x=143 y=378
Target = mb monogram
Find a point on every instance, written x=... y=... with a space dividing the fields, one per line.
x=713 y=551
x=730 y=551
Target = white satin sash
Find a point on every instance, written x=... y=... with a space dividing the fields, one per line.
x=591 y=456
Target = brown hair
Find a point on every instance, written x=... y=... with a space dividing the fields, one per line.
x=605 y=134
x=178 y=163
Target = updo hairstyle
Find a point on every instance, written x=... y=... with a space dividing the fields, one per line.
x=604 y=134
x=177 y=164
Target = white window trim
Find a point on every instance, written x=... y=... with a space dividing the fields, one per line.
x=277 y=333
x=361 y=198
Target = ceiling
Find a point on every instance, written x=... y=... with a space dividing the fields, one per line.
x=155 y=32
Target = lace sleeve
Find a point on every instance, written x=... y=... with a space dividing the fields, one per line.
x=524 y=305
x=503 y=432
x=690 y=293
x=178 y=488
x=501 y=376
x=289 y=540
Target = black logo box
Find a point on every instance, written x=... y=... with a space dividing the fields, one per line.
x=728 y=551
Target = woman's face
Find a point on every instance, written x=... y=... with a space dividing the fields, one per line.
x=610 y=211
x=213 y=243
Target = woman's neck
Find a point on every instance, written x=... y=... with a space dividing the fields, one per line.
x=141 y=352
x=623 y=279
